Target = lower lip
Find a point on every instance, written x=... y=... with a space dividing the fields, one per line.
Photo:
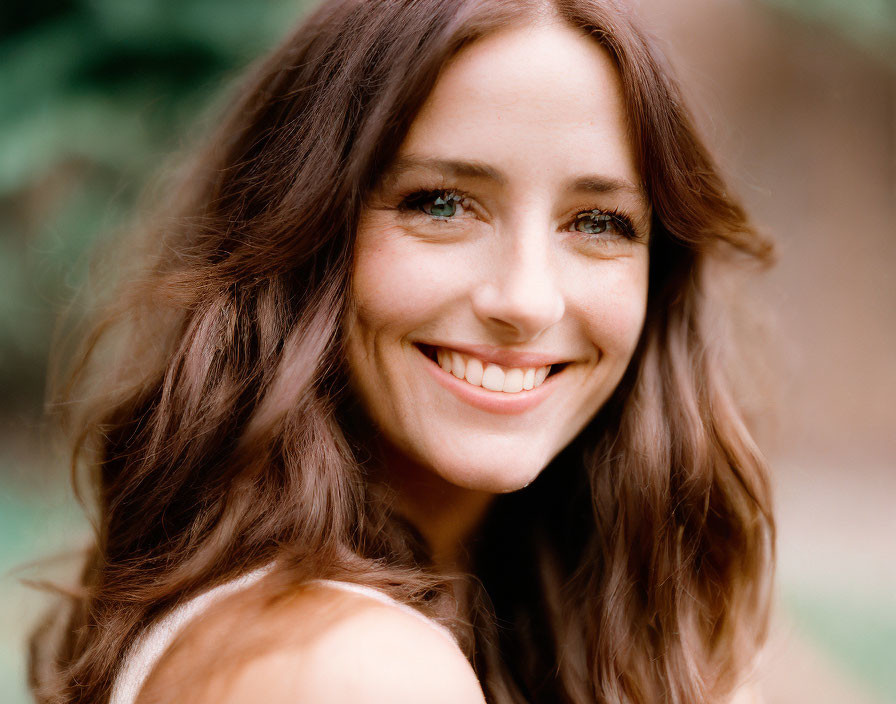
x=491 y=401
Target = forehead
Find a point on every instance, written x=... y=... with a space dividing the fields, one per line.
x=542 y=100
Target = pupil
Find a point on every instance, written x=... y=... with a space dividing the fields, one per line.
x=594 y=224
x=443 y=207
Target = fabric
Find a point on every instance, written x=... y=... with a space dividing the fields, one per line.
x=147 y=650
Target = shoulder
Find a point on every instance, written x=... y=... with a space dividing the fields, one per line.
x=324 y=646
x=373 y=653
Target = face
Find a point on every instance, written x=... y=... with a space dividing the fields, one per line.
x=500 y=277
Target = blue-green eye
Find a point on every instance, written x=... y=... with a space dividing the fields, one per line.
x=442 y=207
x=598 y=222
x=437 y=204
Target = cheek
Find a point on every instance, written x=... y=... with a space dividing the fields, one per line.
x=399 y=284
x=613 y=304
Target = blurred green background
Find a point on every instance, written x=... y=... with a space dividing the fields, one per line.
x=95 y=94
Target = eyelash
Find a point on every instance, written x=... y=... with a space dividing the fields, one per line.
x=412 y=202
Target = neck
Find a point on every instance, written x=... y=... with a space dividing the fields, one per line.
x=446 y=515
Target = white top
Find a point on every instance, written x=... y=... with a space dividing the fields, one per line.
x=148 y=648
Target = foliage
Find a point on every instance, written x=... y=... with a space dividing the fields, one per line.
x=93 y=94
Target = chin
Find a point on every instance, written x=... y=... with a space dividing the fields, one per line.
x=493 y=473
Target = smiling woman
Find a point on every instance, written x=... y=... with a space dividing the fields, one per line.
x=421 y=401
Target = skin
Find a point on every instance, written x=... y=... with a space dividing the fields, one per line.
x=508 y=266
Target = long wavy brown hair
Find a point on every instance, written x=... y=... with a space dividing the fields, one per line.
x=211 y=412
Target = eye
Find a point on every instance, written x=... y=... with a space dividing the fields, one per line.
x=601 y=224
x=438 y=204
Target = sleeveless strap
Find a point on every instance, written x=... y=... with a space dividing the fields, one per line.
x=148 y=648
x=386 y=599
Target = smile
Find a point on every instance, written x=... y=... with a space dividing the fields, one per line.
x=487 y=384
x=493 y=377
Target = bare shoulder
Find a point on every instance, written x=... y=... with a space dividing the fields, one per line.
x=325 y=646
x=373 y=653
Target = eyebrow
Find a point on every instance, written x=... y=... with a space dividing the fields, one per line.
x=456 y=168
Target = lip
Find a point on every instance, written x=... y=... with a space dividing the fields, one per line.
x=500 y=355
x=491 y=401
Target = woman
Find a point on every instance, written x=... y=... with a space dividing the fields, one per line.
x=419 y=397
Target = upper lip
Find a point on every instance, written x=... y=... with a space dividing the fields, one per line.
x=502 y=356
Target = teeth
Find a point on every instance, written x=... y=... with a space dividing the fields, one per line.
x=493 y=378
x=490 y=376
x=444 y=359
x=529 y=379
x=474 y=372
x=457 y=365
x=513 y=381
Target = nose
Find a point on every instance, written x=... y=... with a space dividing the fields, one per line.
x=519 y=296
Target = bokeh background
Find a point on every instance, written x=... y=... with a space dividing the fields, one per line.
x=798 y=98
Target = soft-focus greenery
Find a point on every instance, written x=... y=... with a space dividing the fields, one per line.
x=33 y=525
x=858 y=631
x=93 y=93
